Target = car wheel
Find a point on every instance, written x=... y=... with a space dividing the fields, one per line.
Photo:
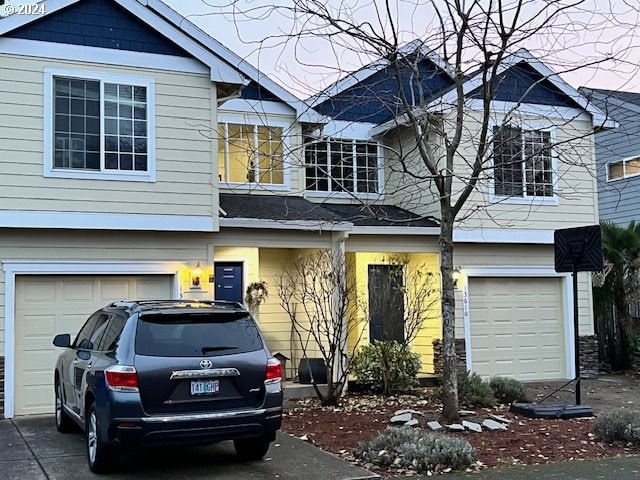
x=64 y=424
x=99 y=455
x=251 y=449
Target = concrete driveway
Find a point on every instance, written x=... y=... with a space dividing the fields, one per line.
x=31 y=448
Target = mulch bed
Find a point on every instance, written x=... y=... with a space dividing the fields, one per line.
x=527 y=441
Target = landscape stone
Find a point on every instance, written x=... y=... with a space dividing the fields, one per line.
x=411 y=423
x=403 y=418
x=412 y=412
x=500 y=418
x=472 y=426
x=466 y=413
x=455 y=426
x=493 y=425
x=434 y=425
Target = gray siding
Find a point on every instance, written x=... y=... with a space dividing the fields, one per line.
x=618 y=200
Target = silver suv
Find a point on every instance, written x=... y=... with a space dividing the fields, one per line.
x=168 y=372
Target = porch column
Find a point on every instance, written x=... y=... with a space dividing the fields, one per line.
x=338 y=240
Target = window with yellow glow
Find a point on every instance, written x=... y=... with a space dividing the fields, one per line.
x=251 y=154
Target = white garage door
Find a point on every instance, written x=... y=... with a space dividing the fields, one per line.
x=517 y=327
x=48 y=305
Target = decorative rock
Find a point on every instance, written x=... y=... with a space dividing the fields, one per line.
x=456 y=427
x=434 y=425
x=500 y=418
x=411 y=423
x=412 y=412
x=493 y=425
x=404 y=418
x=472 y=426
x=466 y=413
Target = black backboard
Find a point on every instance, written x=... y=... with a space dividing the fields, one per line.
x=581 y=246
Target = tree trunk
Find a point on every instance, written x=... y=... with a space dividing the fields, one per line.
x=449 y=367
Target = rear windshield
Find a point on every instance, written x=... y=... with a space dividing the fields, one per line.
x=196 y=335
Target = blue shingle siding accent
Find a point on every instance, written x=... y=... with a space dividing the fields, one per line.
x=98 y=23
x=512 y=86
x=619 y=200
x=253 y=91
x=375 y=99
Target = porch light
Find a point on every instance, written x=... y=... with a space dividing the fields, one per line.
x=196 y=273
x=456 y=276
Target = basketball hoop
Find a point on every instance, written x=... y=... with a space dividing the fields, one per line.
x=598 y=278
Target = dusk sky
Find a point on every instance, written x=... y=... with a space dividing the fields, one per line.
x=588 y=35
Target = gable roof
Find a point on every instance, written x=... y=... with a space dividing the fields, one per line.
x=604 y=99
x=416 y=47
x=522 y=56
x=225 y=66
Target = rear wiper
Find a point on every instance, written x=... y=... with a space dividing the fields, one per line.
x=217 y=349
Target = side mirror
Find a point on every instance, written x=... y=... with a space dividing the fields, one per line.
x=62 y=340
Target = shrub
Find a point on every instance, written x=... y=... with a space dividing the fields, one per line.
x=473 y=391
x=618 y=425
x=417 y=449
x=388 y=367
x=507 y=390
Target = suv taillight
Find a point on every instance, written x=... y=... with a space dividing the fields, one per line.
x=121 y=378
x=274 y=371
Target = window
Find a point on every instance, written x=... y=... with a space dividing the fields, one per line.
x=251 y=154
x=343 y=166
x=522 y=162
x=101 y=127
x=623 y=169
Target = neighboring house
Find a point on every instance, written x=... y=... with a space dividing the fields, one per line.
x=140 y=158
x=618 y=156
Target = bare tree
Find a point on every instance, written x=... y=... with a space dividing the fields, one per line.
x=319 y=298
x=440 y=144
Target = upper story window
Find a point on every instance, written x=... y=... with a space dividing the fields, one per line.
x=629 y=167
x=352 y=166
x=251 y=154
x=522 y=162
x=101 y=127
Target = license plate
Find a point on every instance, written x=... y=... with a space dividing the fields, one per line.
x=205 y=387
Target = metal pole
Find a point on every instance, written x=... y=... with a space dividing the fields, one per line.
x=576 y=336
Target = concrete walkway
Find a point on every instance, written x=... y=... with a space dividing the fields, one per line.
x=31 y=448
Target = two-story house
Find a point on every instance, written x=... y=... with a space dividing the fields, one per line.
x=618 y=156
x=140 y=158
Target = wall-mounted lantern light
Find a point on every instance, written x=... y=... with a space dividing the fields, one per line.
x=456 y=276
x=196 y=275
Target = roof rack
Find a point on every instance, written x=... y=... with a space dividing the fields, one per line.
x=131 y=304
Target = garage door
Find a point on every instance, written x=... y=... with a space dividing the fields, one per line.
x=48 y=305
x=517 y=327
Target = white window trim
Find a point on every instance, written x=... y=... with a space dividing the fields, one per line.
x=350 y=195
x=15 y=268
x=522 y=272
x=260 y=121
x=624 y=169
x=50 y=171
x=527 y=199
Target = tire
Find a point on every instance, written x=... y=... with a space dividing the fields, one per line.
x=251 y=449
x=64 y=423
x=100 y=456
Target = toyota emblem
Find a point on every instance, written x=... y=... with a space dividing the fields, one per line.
x=206 y=364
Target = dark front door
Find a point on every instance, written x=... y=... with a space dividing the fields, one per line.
x=386 y=302
x=228 y=281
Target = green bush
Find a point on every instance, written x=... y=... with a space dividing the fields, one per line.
x=507 y=390
x=618 y=425
x=473 y=391
x=406 y=447
x=388 y=367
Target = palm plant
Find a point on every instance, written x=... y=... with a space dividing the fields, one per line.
x=621 y=248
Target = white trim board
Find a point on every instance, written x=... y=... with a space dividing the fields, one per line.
x=13 y=269
x=503 y=235
x=105 y=56
x=522 y=272
x=107 y=221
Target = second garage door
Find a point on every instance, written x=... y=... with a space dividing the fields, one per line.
x=517 y=327
x=48 y=305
